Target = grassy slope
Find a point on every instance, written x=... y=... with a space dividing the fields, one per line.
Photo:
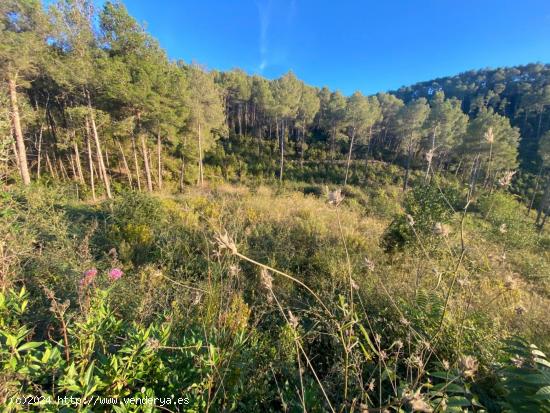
x=166 y=242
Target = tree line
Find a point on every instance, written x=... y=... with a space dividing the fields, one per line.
x=88 y=95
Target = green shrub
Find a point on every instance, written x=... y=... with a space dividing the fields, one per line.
x=425 y=207
x=507 y=225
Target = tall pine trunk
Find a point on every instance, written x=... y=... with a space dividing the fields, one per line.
x=367 y=153
x=239 y=114
x=146 y=162
x=99 y=153
x=245 y=118
x=537 y=180
x=64 y=173
x=159 y=159
x=125 y=162
x=408 y=167
x=430 y=156
x=302 y=144
x=201 y=173
x=90 y=158
x=50 y=166
x=77 y=161
x=473 y=176
x=282 y=161
x=136 y=163
x=349 y=156
x=39 y=154
x=182 y=173
x=16 y=122
x=70 y=158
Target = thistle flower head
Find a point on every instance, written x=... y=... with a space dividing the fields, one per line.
x=371 y=385
x=335 y=197
x=416 y=402
x=468 y=366
x=225 y=242
x=440 y=230
x=463 y=282
x=510 y=283
x=234 y=270
x=115 y=274
x=153 y=343
x=410 y=219
x=88 y=277
x=196 y=297
x=369 y=264
x=430 y=154
x=293 y=320
x=415 y=361
x=266 y=283
x=503 y=229
x=520 y=310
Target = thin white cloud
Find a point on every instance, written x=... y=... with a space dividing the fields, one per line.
x=285 y=12
x=264 y=13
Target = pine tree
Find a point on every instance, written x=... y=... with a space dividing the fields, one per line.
x=287 y=91
x=238 y=87
x=336 y=116
x=411 y=118
x=361 y=114
x=76 y=67
x=446 y=126
x=389 y=106
x=263 y=103
x=491 y=138
x=307 y=109
x=136 y=65
x=206 y=117
x=21 y=45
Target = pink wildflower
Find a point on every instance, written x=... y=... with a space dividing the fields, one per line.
x=115 y=274
x=88 y=277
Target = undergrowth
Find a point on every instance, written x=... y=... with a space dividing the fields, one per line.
x=296 y=298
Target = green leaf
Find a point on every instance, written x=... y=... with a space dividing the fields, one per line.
x=538 y=353
x=448 y=388
x=30 y=345
x=441 y=375
x=458 y=402
x=542 y=361
x=543 y=393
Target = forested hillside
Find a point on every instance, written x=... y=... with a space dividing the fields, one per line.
x=521 y=93
x=174 y=238
x=93 y=98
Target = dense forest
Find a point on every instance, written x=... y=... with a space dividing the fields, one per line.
x=94 y=98
x=263 y=245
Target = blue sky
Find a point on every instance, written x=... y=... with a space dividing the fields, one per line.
x=369 y=46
